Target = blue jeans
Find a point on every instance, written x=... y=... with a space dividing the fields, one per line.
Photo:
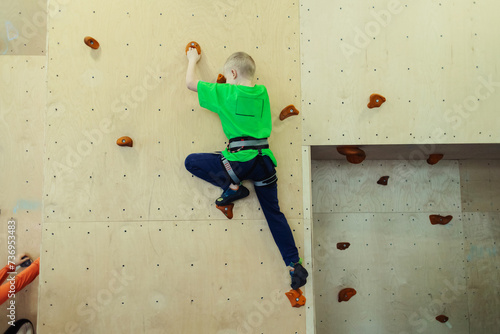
x=208 y=166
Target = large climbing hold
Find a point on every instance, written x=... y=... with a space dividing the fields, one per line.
x=346 y=294
x=353 y=154
x=288 y=111
x=91 y=42
x=376 y=101
x=440 y=220
x=227 y=210
x=297 y=299
x=434 y=158
x=193 y=45
x=125 y=141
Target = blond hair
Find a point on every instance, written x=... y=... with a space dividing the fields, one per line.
x=242 y=62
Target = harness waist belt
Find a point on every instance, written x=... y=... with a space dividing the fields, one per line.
x=247 y=143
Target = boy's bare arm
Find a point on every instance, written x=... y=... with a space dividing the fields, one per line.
x=191 y=80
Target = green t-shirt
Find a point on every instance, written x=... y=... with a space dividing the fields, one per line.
x=243 y=111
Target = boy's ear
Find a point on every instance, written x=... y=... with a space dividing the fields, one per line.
x=234 y=73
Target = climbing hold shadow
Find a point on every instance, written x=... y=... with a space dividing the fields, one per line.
x=193 y=45
x=227 y=210
x=91 y=42
x=343 y=245
x=440 y=220
x=434 y=158
x=353 y=154
x=383 y=180
x=221 y=78
x=376 y=101
x=346 y=294
x=442 y=318
x=288 y=111
x=297 y=299
x=125 y=141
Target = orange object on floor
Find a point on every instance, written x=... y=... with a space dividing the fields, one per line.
x=22 y=279
x=353 y=154
x=376 y=101
x=440 y=220
x=221 y=78
x=296 y=298
x=193 y=45
x=288 y=111
x=227 y=210
x=434 y=158
x=125 y=141
x=346 y=294
x=91 y=42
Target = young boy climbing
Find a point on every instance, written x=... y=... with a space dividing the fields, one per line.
x=245 y=115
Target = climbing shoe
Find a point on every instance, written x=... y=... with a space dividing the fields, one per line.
x=299 y=275
x=231 y=195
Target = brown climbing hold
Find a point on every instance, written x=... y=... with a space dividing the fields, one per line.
x=297 y=299
x=288 y=111
x=376 y=101
x=91 y=42
x=383 y=180
x=346 y=294
x=343 y=245
x=125 y=141
x=434 y=158
x=193 y=45
x=221 y=78
x=442 y=318
x=227 y=210
x=440 y=220
x=353 y=153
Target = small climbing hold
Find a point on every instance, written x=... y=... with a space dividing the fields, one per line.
x=434 y=158
x=343 y=245
x=288 y=111
x=221 y=78
x=125 y=141
x=297 y=299
x=383 y=180
x=353 y=153
x=193 y=45
x=227 y=210
x=376 y=101
x=440 y=220
x=346 y=294
x=442 y=318
x=91 y=42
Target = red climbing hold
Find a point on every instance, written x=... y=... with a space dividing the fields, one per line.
x=125 y=141
x=91 y=42
x=227 y=210
x=193 y=45
x=442 y=318
x=221 y=78
x=296 y=298
x=346 y=294
x=383 y=180
x=353 y=154
x=440 y=220
x=343 y=245
x=288 y=111
x=434 y=158
x=376 y=101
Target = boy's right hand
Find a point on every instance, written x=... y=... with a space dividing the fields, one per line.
x=192 y=55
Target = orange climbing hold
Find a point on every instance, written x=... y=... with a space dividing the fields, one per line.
x=383 y=180
x=353 y=153
x=221 y=78
x=288 y=111
x=434 y=158
x=193 y=45
x=346 y=294
x=343 y=245
x=440 y=220
x=125 y=141
x=296 y=298
x=227 y=210
x=442 y=318
x=376 y=101
x=91 y=42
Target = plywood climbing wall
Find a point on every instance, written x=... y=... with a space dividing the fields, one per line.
x=432 y=60
x=128 y=229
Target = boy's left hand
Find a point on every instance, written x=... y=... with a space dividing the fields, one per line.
x=192 y=55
